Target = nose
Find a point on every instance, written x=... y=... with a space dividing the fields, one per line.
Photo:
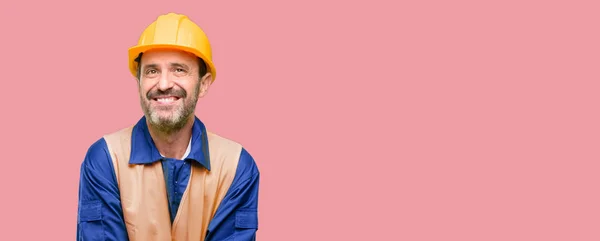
x=165 y=82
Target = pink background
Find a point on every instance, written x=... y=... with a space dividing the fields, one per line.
x=369 y=120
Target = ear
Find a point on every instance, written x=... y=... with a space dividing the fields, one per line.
x=205 y=83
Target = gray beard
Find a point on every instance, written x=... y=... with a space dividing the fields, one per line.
x=175 y=121
x=167 y=125
x=178 y=117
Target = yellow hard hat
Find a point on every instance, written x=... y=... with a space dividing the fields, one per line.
x=174 y=31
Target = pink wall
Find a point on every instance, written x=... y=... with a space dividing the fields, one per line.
x=373 y=120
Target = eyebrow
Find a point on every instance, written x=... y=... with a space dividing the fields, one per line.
x=172 y=65
x=150 y=66
x=179 y=65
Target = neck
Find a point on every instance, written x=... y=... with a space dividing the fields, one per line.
x=172 y=144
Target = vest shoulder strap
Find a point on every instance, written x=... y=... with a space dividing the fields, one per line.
x=119 y=147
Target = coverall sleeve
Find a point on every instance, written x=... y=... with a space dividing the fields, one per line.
x=237 y=216
x=99 y=212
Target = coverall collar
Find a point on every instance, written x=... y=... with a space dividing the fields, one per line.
x=144 y=151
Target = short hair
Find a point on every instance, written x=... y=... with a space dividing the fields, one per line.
x=202 y=69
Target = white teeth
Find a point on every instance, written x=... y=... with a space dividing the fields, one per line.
x=166 y=99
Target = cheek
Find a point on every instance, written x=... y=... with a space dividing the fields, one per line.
x=143 y=93
x=145 y=88
x=188 y=86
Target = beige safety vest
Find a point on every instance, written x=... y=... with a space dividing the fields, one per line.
x=144 y=196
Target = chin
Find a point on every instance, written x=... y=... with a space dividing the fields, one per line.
x=165 y=120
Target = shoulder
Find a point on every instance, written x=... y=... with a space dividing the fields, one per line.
x=97 y=159
x=220 y=143
x=123 y=134
x=247 y=168
x=225 y=147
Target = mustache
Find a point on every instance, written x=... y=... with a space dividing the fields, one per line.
x=179 y=93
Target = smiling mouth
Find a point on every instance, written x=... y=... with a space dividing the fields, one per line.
x=166 y=100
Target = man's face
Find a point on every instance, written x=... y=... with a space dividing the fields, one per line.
x=169 y=87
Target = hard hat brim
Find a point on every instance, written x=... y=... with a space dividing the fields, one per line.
x=135 y=51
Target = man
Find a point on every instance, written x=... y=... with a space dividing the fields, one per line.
x=166 y=177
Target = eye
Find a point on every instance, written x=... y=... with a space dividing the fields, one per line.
x=151 y=71
x=180 y=70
